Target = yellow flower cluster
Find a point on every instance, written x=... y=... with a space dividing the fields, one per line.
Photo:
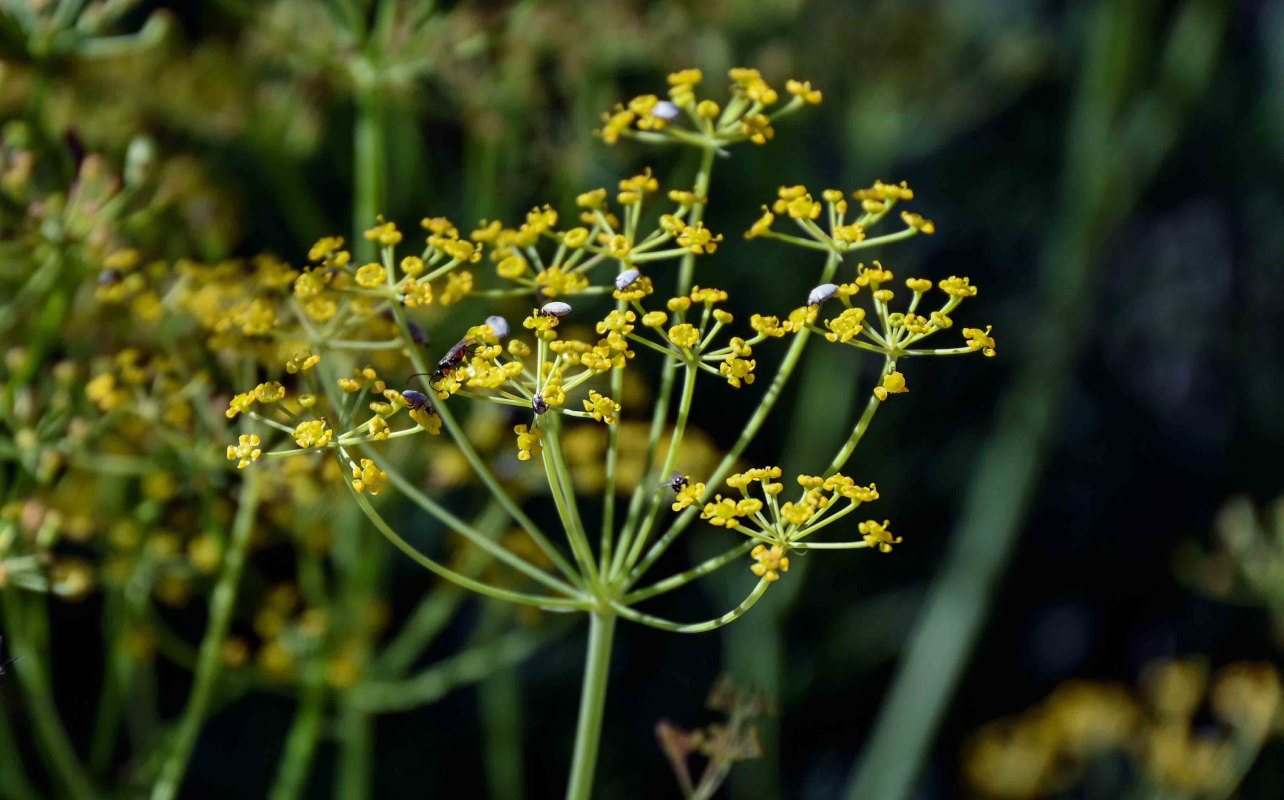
x=368 y=478
x=1158 y=728
x=527 y=441
x=745 y=116
x=771 y=561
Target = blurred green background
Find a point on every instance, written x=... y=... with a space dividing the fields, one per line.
x=1108 y=173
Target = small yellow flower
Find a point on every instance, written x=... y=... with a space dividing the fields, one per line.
x=378 y=429
x=918 y=285
x=737 y=370
x=893 y=383
x=722 y=512
x=313 y=433
x=324 y=247
x=654 y=319
x=269 y=392
x=527 y=442
x=458 y=286
x=603 y=408
x=302 y=363
x=385 y=233
x=619 y=246
x=708 y=295
x=918 y=223
x=757 y=128
x=767 y=326
x=688 y=494
x=371 y=276
x=803 y=89
x=368 y=477
x=511 y=267
x=978 y=339
x=771 y=561
x=845 y=326
x=241 y=404
x=245 y=450
x=684 y=335
x=699 y=239
x=762 y=225
x=427 y=419
x=592 y=200
x=412 y=266
x=957 y=287
x=877 y=536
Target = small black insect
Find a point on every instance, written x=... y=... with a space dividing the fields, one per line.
x=539 y=404
x=458 y=352
x=109 y=277
x=416 y=401
x=417 y=333
x=677 y=482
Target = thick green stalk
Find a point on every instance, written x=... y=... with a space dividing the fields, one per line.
x=301 y=742
x=370 y=168
x=588 y=730
x=209 y=658
x=356 y=746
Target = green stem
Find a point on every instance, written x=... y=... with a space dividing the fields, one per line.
x=694 y=627
x=435 y=682
x=683 y=578
x=546 y=602
x=862 y=425
x=356 y=744
x=370 y=168
x=209 y=659
x=675 y=441
x=559 y=481
x=301 y=743
x=588 y=730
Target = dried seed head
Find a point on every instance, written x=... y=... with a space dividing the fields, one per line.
x=539 y=404
x=626 y=279
x=666 y=110
x=499 y=325
x=821 y=293
x=555 y=309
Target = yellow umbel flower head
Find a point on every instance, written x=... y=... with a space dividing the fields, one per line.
x=771 y=561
